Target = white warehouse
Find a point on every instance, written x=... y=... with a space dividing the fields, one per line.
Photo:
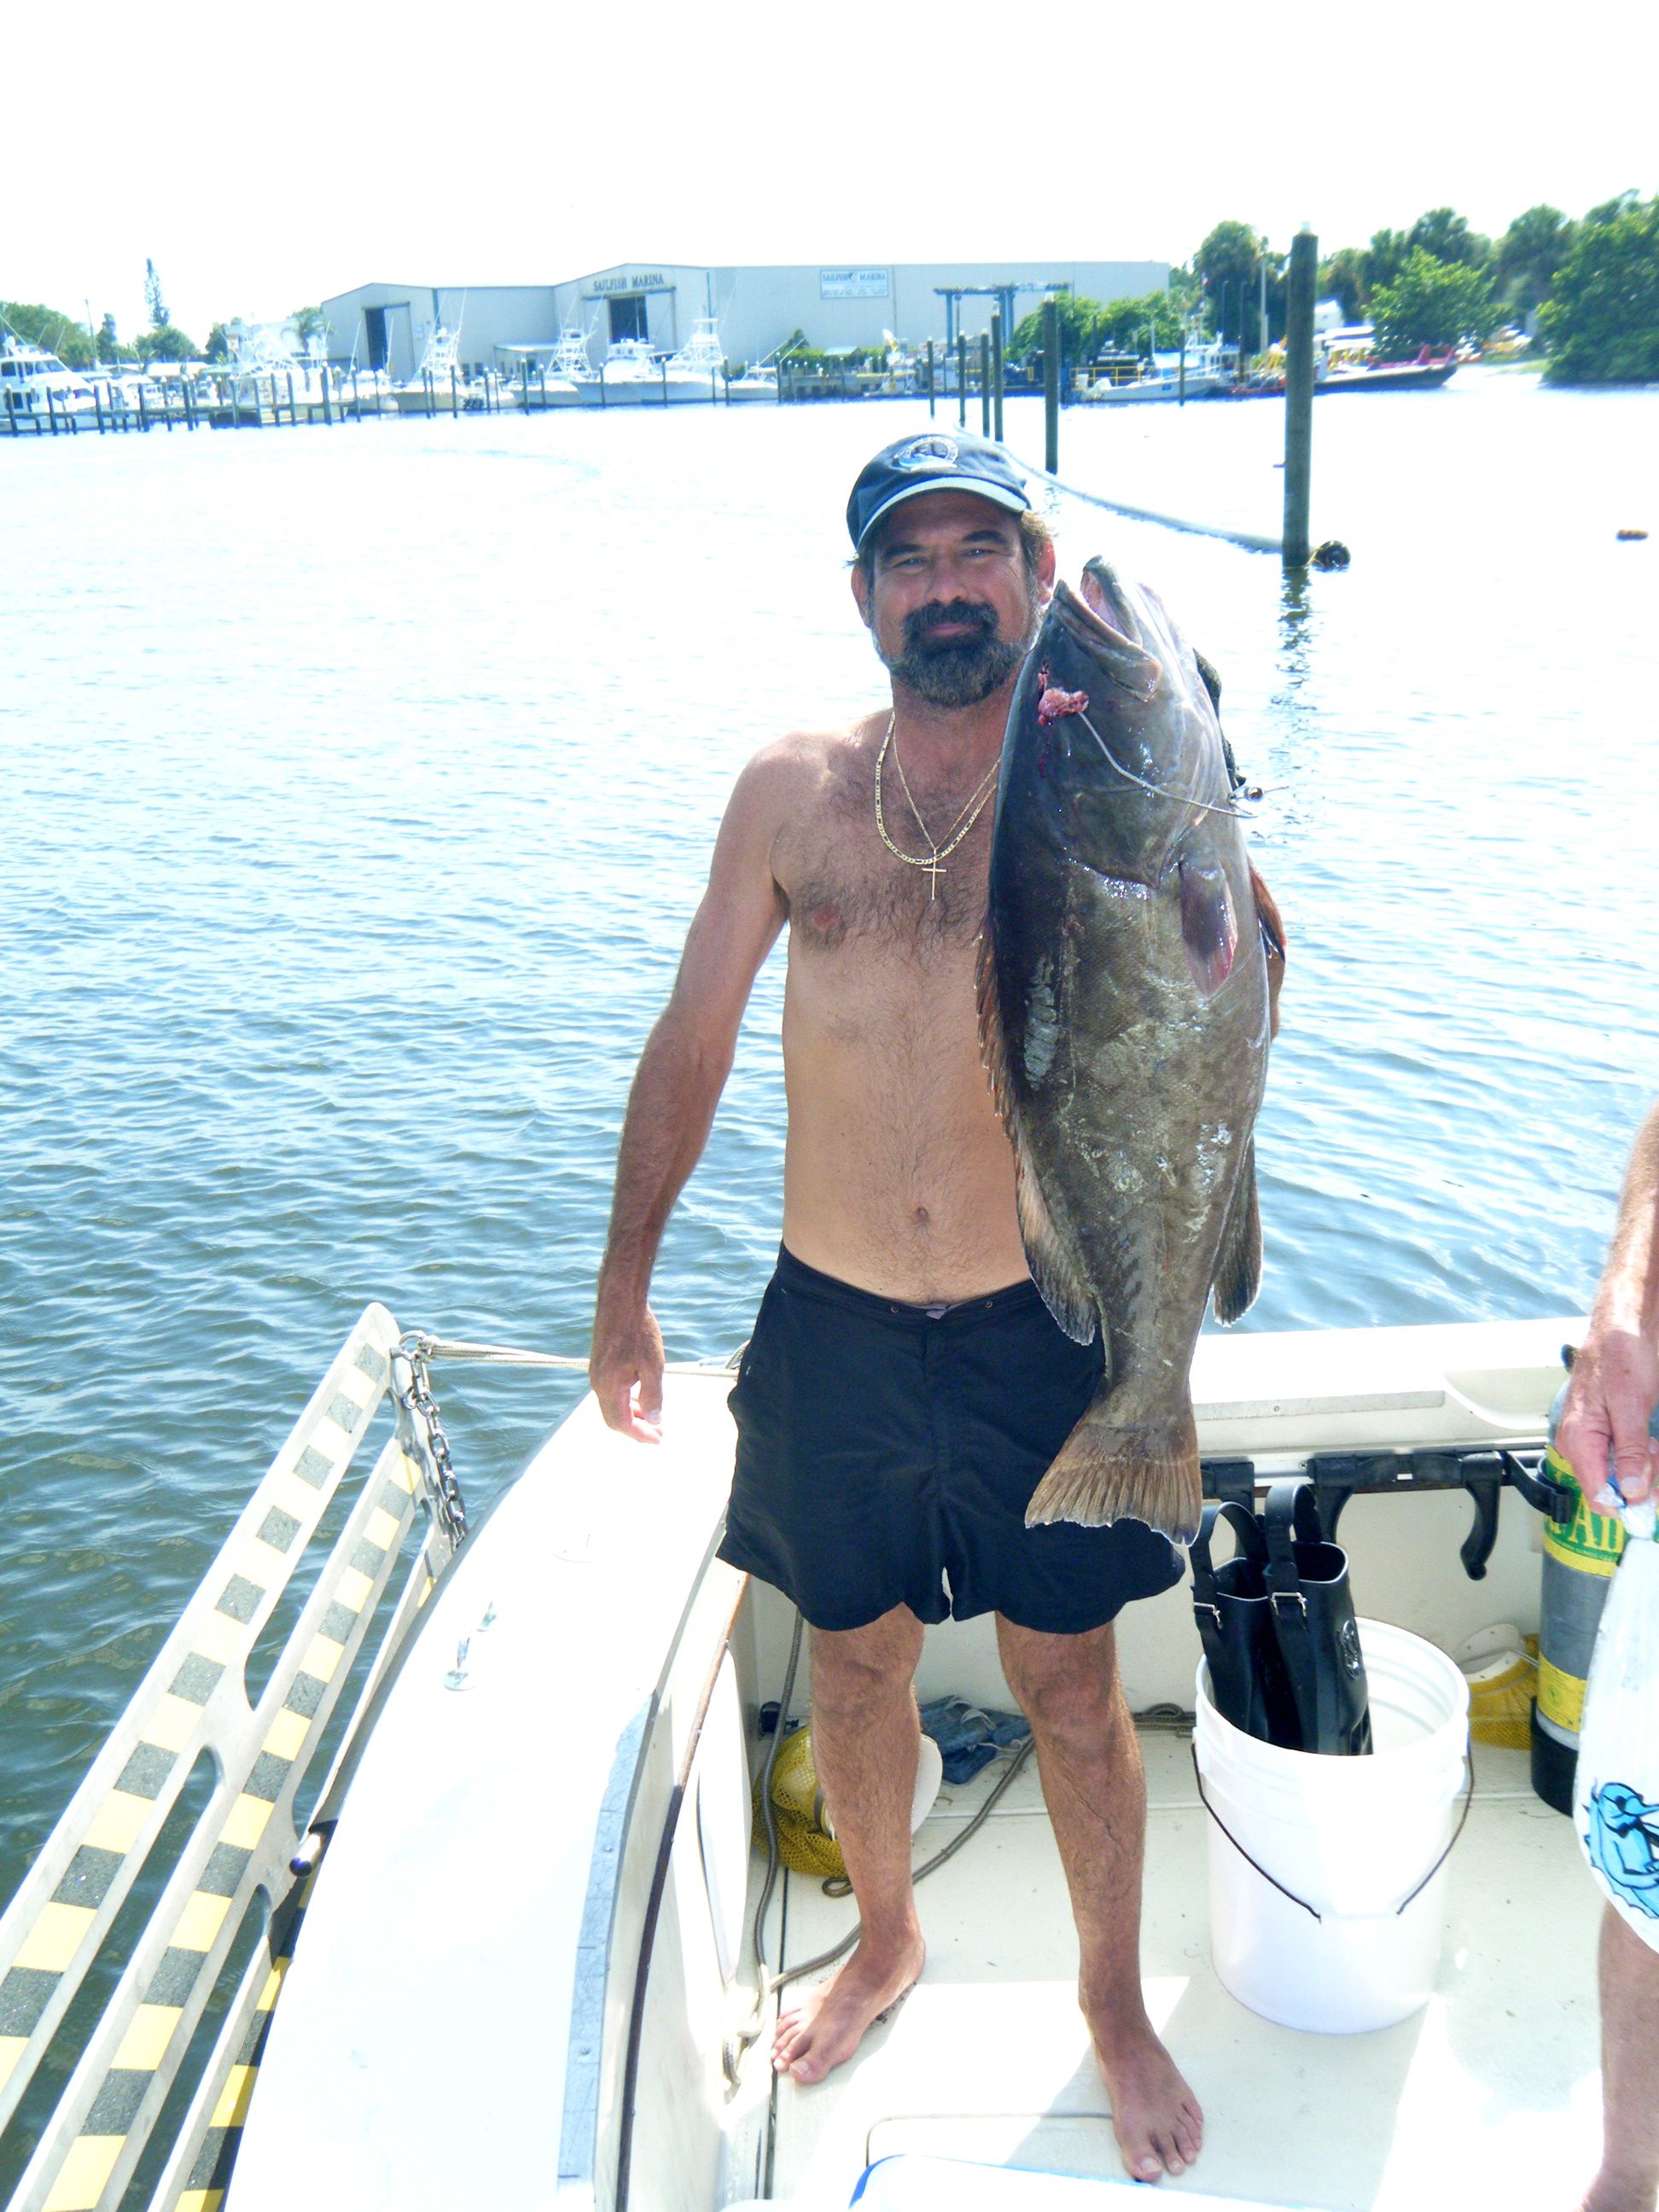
x=756 y=310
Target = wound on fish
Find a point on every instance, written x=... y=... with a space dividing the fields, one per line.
x=1053 y=703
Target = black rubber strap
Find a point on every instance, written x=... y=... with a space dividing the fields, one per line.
x=1250 y=1543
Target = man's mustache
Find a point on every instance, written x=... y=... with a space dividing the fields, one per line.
x=921 y=621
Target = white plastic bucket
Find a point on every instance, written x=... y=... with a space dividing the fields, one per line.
x=1352 y=1838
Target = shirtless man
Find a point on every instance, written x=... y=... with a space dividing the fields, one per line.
x=905 y=1388
x=1610 y=1404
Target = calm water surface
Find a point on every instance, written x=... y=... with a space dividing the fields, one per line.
x=359 y=785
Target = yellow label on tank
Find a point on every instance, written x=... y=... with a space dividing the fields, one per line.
x=1590 y=1542
x=1560 y=1697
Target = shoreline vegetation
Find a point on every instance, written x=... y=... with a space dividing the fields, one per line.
x=1580 y=294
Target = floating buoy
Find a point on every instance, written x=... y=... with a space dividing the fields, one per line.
x=1333 y=554
x=1629 y=535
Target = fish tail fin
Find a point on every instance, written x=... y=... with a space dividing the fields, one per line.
x=1110 y=1469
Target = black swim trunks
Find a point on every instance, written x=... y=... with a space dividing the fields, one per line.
x=886 y=1454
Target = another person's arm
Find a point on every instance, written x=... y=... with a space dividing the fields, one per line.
x=677 y=1088
x=1615 y=1377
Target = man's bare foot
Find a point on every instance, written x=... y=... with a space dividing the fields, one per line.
x=1155 y=2116
x=828 y=2024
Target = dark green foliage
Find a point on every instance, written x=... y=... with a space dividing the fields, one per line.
x=1602 y=320
x=1528 y=254
x=1228 y=262
x=166 y=343
x=47 y=328
x=218 y=344
x=1384 y=258
x=159 y=318
x=309 y=322
x=1087 y=328
x=1343 y=278
x=1431 y=303
x=1444 y=233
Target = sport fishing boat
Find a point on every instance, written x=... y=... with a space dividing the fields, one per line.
x=698 y=371
x=467 y=1890
x=35 y=384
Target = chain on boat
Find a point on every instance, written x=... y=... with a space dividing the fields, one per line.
x=244 y=1870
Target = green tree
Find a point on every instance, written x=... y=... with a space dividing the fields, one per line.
x=1432 y=303
x=1611 y=209
x=166 y=343
x=1124 y=324
x=109 y=346
x=218 y=344
x=1080 y=324
x=159 y=317
x=308 y=323
x=1342 y=277
x=1228 y=262
x=1383 y=258
x=1528 y=254
x=49 y=329
x=1445 y=233
x=1602 y=322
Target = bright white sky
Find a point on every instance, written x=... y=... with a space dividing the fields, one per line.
x=268 y=153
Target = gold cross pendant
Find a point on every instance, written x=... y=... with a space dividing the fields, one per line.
x=935 y=870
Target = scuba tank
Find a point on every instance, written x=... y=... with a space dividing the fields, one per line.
x=1579 y=1558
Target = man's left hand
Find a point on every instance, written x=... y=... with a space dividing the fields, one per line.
x=1610 y=1402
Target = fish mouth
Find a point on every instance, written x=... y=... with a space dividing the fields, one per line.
x=1103 y=626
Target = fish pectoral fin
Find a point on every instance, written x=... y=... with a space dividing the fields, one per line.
x=1053 y=1268
x=1209 y=927
x=993 y=1051
x=1272 y=945
x=1111 y=1470
x=1238 y=1263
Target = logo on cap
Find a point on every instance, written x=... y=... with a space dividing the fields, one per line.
x=920 y=451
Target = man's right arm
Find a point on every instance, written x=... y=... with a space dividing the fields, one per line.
x=681 y=1072
x=1615 y=1377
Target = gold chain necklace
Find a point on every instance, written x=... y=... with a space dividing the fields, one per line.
x=933 y=860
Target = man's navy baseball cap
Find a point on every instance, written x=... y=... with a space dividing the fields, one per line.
x=939 y=460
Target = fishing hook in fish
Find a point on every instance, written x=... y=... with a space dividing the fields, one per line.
x=1158 y=790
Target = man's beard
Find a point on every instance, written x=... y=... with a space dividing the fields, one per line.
x=957 y=672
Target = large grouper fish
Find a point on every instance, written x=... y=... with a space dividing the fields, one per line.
x=1125 y=1012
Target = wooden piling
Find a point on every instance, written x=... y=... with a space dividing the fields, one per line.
x=930 y=380
x=1051 y=384
x=996 y=374
x=961 y=381
x=984 y=384
x=1298 y=395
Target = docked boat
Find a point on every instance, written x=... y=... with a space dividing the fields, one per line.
x=35 y=385
x=698 y=371
x=502 y=1936
x=440 y=385
x=759 y=380
x=1198 y=373
x=1345 y=359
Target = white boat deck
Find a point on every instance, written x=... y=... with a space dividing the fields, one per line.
x=1488 y=2098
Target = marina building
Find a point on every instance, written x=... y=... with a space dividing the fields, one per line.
x=755 y=310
